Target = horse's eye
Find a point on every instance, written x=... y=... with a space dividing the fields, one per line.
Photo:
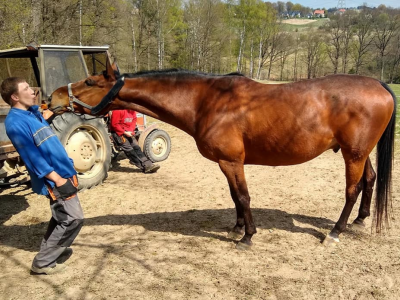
x=89 y=82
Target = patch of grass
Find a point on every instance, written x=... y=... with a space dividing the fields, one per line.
x=396 y=90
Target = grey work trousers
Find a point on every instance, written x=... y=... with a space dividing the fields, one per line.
x=132 y=150
x=64 y=226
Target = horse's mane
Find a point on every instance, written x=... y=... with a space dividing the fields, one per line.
x=175 y=73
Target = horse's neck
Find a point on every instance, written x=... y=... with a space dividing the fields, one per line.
x=167 y=100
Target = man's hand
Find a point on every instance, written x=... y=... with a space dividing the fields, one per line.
x=67 y=190
x=64 y=186
x=60 y=182
x=128 y=134
x=47 y=114
x=57 y=179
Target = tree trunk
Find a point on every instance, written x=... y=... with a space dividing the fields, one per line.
x=259 y=59
x=239 y=61
x=134 y=52
x=251 y=59
x=36 y=18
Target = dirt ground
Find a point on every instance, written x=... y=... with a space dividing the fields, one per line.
x=164 y=236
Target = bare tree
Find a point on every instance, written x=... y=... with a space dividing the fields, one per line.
x=394 y=58
x=335 y=37
x=364 y=39
x=205 y=33
x=296 y=54
x=347 y=20
x=277 y=47
x=286 y=50
x=268 y=35
x=312 y=54
x=385 y=27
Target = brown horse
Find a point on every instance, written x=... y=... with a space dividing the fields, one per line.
x=235 y=121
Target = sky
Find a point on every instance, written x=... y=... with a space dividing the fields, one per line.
x=348 y=3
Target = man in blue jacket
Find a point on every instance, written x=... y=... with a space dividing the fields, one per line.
x=51 y=170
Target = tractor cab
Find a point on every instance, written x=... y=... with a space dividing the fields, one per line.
x=85 y=138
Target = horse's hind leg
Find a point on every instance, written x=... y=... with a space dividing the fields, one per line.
x=368 y=181
x=354 y=173
x=234 y=173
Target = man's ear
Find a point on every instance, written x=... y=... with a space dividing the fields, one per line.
x=14 y=97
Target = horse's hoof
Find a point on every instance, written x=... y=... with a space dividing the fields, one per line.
x=235 y=235
x=360 y=227
x=243 y=247
x=330 y=241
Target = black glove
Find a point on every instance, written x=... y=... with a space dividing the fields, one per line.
x=67 y=190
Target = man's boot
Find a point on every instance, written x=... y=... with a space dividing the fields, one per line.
x=149 y=167
x=134 y=159
x=137 y=158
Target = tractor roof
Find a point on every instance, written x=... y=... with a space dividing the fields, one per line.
x=32 y=50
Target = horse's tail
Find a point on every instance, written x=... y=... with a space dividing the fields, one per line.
x=385 y=152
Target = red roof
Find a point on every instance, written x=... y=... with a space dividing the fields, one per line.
x=319 y=11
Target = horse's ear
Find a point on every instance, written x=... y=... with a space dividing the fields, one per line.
x=110 y=71
x=116 y=69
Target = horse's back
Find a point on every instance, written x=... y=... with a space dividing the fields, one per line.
x=292 y=123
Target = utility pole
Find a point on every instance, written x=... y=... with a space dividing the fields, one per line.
x=341 y=4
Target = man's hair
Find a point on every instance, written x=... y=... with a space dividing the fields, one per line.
x=10 y=86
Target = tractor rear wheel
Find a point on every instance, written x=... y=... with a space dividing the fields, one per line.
x=87 y=142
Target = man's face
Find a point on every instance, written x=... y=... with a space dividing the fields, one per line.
x=25 y=97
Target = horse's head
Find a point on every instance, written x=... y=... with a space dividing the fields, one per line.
x=89 y=96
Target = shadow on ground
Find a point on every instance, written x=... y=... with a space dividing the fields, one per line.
x=200 y=223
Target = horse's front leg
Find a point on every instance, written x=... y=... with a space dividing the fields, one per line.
x=234 y=172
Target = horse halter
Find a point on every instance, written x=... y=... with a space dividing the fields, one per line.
x=103 y=103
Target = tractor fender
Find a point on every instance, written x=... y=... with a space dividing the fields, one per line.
x=145 y=133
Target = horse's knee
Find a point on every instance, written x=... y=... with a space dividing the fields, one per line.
x=353 y=191
x=371 y=178
x=369 y=175
x=244 y=200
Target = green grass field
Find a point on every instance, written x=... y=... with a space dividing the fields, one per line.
x=396 y=90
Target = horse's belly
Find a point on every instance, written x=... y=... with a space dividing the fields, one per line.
x=285 y=156
x=278 y=159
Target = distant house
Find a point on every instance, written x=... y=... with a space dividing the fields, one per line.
x=319 y=13
x=340 y=11
x=291 y=14
x=285 y=15
x=295 y=14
